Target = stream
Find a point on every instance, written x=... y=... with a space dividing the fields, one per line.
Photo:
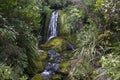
x=54 y=58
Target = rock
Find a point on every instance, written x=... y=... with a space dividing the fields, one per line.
x=46 y=74
x=35 y=67
x=40 y=51
x=43 y=56
x=40 y=66
x=37 y=77
x=53 y=55
x=58 y=44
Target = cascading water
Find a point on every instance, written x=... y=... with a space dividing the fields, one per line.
x=52 y=29
x=52 y=67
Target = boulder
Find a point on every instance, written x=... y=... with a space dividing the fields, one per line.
x=43 y=56
x=57 y=43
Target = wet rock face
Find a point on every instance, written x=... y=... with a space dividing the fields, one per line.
x=55 y=65
x=53 y=54
x=52 y=66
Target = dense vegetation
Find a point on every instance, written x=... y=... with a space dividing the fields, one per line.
x=93 y=26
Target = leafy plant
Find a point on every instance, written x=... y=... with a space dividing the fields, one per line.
x=81 y=71
x=88 y=52
x=88 y=42
x=110 y=65
x=57 y=4
x=5 y=72
x=19 y=30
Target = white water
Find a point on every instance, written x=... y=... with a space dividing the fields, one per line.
x=53 y=67
x=52 y=29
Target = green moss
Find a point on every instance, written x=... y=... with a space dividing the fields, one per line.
x=47 y=20
x=58 y=44
x=43 y=56
x=40 y=66
x=67 y=55
x=61 y=23
x=36 y=66
x=37 y=77
x=56 y=77
x=64 y=67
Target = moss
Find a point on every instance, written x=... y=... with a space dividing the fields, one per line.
x=66 y=57
x=64 y=67
x=61 y=23
x=43 y=56
x=37 y=77
x=40 y=66
x=47 y=20
x=56 y=77
x=35 y=67
x=58 y=44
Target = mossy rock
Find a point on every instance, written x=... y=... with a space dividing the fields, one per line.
x=58 y=44
x=56 y=77
x=36 y=66
x=66 y=57
x=64 y=67
x=40 y=66
x=37 y=77
x=43 y=56
x=62 y=24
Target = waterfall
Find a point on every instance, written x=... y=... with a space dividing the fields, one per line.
x=52 y=29
x=52 y=66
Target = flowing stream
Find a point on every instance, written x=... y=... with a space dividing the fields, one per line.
x=53 y=28
x=52 y=67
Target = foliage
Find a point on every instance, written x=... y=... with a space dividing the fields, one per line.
x=18 y=10
x=81 y=71
x=95 y=24
x=88 y=42
x=110 y=11
x=24 y=78
x=5 y=72
x=72 y=20
x=55 y=4
x=92 y=44
x=87 y=52
x=110 y=64
x=19 y=31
